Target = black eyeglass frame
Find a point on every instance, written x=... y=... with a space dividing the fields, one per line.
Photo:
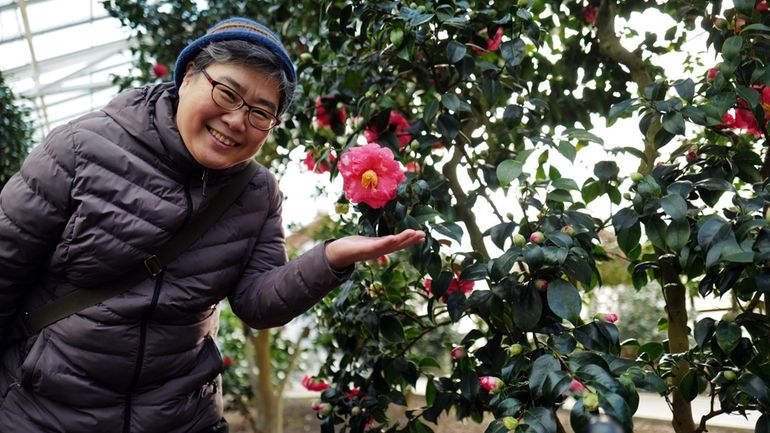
x=214 y=83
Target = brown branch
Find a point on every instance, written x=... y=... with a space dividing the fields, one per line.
x=610 y=46
x=461 y=207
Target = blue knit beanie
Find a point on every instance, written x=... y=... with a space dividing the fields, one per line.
x=235 y=28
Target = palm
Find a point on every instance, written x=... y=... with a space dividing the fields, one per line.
x=345 y=251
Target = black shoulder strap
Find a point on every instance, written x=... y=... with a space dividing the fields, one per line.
x=82 y=298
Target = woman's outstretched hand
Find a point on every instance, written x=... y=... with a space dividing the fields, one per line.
x=343 y=252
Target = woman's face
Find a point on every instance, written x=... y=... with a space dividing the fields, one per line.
x=218 y=138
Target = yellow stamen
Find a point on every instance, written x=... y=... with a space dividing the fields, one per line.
x=766 y=108
x=369 y=179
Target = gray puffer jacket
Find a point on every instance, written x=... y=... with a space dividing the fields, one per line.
x=99 y=195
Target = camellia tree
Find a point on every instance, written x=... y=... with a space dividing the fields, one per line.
x=15 y=133
x=434 y=112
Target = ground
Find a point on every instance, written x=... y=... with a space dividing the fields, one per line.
x=299 y=418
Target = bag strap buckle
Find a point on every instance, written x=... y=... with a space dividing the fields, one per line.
x=153 y=266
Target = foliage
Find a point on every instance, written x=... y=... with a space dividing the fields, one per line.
x=15 y=133
x=489 y=122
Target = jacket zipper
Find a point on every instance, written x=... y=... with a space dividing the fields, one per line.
x=140 y=353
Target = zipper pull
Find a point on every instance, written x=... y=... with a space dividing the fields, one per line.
x=205 y=179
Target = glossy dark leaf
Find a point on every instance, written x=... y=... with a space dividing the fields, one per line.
x=727 y=335
x=391 y=329
x=688 y=386
x=755 y=387
x=674 y=205
x=540 y=368
x=508 y=407
x=685 y=88
x=606 y=170
x=580 y=418
x=564 y=300
x=448 y=126
x=704 y=330
x=678 y=234
x=527 y=309
x=450 y=230
x=620 y=109
x=455 y=51
x=541 y=420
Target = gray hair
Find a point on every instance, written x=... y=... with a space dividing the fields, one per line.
x=251 y=55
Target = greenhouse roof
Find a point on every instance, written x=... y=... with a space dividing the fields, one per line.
x=60 y=56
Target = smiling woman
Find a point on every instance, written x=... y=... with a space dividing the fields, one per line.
x=105 y=194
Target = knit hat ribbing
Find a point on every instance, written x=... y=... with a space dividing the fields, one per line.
x=235 y=28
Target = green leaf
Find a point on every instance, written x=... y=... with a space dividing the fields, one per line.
x=755 y=387
x=450 y=230
x=675 y=206
x=508 y=171
x=582 y=134
x=430 y=111
x=759 y=27
x=688 y=386
x=685 y=89
x=704 y=330
x=591 y=190
x=512 y=115
x=763 y=424
x=678 y=234
x=455 y=51
x=628 y=239
x=682 y=187
x=567 y=150
x=614 y=405
x=731 y=48
x=565 y=183
x=540 y=369
x=673 y=122
x=620 y=109
x=508 y=407
x=391 y=329
x=513 y=52
x=744 y=6
x=527 y=309
x=541 y=420
x=452 y=102
x=624 y=219
x=474 y=272
x=649 y=352
x=727 y=335
x=448 y=126
x=606 y=170
x=748 y=94
x=564 y=300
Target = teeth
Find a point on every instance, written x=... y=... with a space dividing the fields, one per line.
x=222 y=138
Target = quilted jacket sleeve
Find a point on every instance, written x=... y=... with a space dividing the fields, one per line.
x=273 y=291
x=34 y=208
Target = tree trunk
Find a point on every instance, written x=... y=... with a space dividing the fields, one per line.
x=269 y=408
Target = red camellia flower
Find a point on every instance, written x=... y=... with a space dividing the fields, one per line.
x=227 y=361
x=370 y=175
x=321 y=408
x=494 y=43
x=412 y=167
x=610 y=317
x=712 y=73
x=313 y=384
x=589 y=14
x=353 y=393
x=743 y=118
x=761 y=6
x=325 y=109
x=159 y=70
x=456 y=286
x=457 y=352
x=318 y=166
x=398 y=123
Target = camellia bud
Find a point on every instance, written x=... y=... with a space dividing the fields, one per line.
x=375 y=289
x=383 y=261
x=541 y=284
x=510 y=423
x=341 y=208
x=519 y=240
x=355 y=411
x=323 y=409
x=606 y=317
x=636 y=177
x=719 y=23
x=522 y=3
x=730 y=375
x=691 y=156
x=590 y=401
x=537 y=237
x=305 y=57
x=457 y=353
x=515 y=349
x=627 y=195
x=568 y=230
x=491 y=383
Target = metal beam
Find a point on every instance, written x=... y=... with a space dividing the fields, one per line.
x=65 y=60
x=15 y=4
x=33 y=64
x=54 y=29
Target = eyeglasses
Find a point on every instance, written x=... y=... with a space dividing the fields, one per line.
x=227 y=98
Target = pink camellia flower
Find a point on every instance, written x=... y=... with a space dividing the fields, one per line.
x=227 y=362
x=456 y=286
x=370 y=175
x=313 y=384
x=761 y=6
x=318 y=166
x=577 y=386
x=494 y=43
x=589 y=14
x=321 y=408
x=325 y=108
x=457 y=352
x=159 y=70
x=610 y=317
x=399 y=125
x=491 y=383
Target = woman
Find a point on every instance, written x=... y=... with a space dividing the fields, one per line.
x=104 y=190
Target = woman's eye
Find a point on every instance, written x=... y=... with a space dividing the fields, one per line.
x=260 y=114
x=228 y=94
